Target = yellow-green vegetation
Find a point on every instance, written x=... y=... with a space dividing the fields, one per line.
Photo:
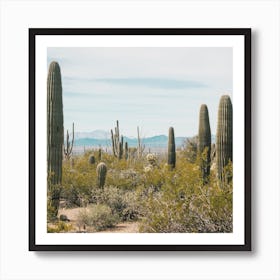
x=59 y=226
x=147 y=190
x=98 y=216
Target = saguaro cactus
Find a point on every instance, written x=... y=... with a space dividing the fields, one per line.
x=99 y=154
x=224 y=136
x=117 y=142
x=69 y=145
x=141 y=146
x=101 y=171
x=171 y=160
x=54 y=124
x=126 y=151
x=204 y=142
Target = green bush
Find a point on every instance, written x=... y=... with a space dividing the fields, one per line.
x=163 y=200
x=60 y=227
x=98 y=216
x=186 y=204
x=123 y=203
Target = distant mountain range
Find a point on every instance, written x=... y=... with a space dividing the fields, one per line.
x=103 y=138
x=96 y=134
x=155 y=141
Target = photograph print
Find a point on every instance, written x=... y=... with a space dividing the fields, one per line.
x=140 y=139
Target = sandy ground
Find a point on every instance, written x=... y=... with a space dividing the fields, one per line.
x=124 y=227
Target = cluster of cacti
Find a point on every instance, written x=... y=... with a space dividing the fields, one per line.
x=69 y=146
x=204 y=142
x=221 y=153
x=54 y=124
x=117 y=142
x=224 y=136
x=101 y=171
x=171 y=159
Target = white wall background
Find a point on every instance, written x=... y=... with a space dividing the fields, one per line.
x=16 y=262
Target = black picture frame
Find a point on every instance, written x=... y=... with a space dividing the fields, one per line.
x=246 y=33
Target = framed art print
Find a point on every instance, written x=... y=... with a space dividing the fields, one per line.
x=140 y=139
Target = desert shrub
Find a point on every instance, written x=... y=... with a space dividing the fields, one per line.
x=98 y=216
x=132 y=210
x=190 y=149
x=185 y=204
x=123 y=203
x=60 y=227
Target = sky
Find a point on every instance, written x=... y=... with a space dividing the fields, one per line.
x=150 y=87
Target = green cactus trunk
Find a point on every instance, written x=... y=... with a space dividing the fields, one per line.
x=171 y=160
x=204 y=143
x=125 y=151
x=99 y=154
x=224 y=137
x=54 y=124
x=55 y=138
x=101 y=171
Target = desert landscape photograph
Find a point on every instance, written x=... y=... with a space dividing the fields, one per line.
x=139 y=140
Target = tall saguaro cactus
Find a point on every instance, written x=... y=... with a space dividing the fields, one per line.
x=171 y=160
x=54 y=124
x=204 y=142
x=224 y=136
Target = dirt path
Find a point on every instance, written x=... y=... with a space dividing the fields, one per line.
x=124 y=227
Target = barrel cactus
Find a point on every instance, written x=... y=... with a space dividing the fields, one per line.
x=54 y=124
x=204 y=142
x=91 y=159
x=101 y=171
x=171 y=160
x=224 y=136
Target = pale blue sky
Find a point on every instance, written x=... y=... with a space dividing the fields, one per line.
x=153 y=88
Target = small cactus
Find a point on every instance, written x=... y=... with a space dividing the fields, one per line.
x=204 y=142
x=224 y=136
x=68 y=149
x=101 y=171
x=171 y=160
x=91 y=159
